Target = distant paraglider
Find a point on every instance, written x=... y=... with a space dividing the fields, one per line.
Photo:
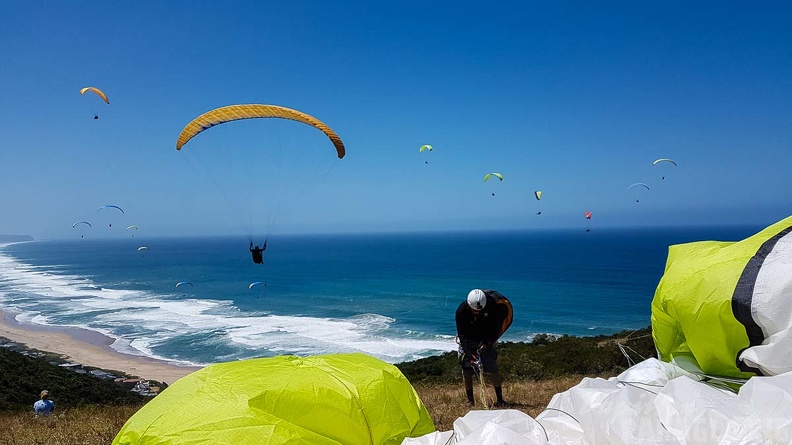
x=99 y=93
x=109 y=207
x=538 y=196
x=587 y=214
x=183 y=284
x=423 y=149
x=493 y=174
x=639 y=186
x=78 y=223
x=670 y=161
x=132 y=229
x=257 y=284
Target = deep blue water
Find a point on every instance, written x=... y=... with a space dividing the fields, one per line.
x=392 y=296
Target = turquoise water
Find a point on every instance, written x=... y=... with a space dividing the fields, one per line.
x=392 y=296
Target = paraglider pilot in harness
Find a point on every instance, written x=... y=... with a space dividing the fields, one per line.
x=480 y=321
x=258 y=258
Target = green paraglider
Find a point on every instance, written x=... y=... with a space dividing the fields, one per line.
x=493 y=175
x=423 y=149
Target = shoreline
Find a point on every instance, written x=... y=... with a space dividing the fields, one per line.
x=88 y=348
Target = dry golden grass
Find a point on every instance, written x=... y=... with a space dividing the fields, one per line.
x=99 y=425
x=448 y=402
x=79 y=426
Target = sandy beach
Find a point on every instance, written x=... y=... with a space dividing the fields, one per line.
x=88 y=348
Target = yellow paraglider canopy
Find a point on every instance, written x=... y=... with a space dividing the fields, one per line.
x=253 y=111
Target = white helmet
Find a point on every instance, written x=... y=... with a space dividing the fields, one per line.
x=476 y=299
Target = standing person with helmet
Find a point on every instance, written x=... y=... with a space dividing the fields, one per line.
x=480 y=321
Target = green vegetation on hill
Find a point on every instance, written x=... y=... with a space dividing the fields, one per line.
x=546 y=357
x=22 y=377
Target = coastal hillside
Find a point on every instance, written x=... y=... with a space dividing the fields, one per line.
x=92 y=410
x=547 y=357
x=24 y=373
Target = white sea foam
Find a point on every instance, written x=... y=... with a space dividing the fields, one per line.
x=142 y=323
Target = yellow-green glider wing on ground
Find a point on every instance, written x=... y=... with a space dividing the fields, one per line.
x=326 y=399
x=727 y=306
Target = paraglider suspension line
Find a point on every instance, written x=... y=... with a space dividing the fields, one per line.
x=637 y=385
x=562 y=411
x=478 y=369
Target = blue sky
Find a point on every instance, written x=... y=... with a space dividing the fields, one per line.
x=570 y=98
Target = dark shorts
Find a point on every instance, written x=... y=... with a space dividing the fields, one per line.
x=488 y=358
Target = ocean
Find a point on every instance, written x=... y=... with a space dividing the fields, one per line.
x=392 y=296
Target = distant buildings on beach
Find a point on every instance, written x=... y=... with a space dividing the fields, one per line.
x=138 y=385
